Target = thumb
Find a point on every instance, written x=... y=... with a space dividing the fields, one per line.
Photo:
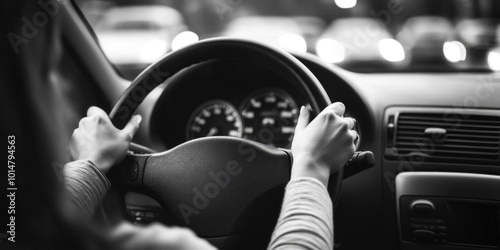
x=96 y=111
x=132 y=126
x=303 y=120
x=338 y=108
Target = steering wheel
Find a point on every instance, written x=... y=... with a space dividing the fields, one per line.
x=217 y=186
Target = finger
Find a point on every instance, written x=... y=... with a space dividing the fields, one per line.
x=351 y=122
x=123 y=228
x=132 y=126
x=96 y=111
x=354 y=136
x=303 y=120
x=338 y=108
x=82 y=122
x=123 y=232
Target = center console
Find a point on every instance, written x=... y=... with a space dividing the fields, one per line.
x=439 y=210
x=441 y=167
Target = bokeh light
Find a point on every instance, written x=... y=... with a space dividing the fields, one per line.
x=454 y=51
x=346 y=4
x=391 y=50
x=330 y=50
x=184 y=39
x=293 y=42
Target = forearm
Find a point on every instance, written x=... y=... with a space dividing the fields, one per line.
x=85 y=187
x=306 y=219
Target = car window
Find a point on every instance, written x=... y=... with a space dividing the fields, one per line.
x=358 y=35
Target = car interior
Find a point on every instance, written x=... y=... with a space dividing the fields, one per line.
x=426 y=174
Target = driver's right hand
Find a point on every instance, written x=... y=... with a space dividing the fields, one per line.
x=320 y=148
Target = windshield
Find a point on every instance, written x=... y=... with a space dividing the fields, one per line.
x=358 y=35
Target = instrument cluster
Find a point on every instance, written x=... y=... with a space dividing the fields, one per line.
x=268 y=115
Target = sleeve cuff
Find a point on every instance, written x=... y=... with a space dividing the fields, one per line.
x=86 y=185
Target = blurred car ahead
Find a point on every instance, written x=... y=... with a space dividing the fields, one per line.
x=480 y=37
x=95 y=10
x=135 y=36
x=296 y=34
x=359 y=42
x=424 y=39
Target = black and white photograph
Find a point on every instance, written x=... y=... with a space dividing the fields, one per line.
x=250 y=124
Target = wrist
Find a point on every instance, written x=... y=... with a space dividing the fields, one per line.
x=308 y=167
x=102 y=164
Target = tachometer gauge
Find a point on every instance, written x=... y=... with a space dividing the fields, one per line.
x=270 y=117
x=214 y=118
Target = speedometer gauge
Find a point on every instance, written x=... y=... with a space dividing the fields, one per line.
x=214 y=118
x=270 y=117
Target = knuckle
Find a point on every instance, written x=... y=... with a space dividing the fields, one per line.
x=83 y=121
x=344 y=126
x=88 y=120
x=329 y=116
x=353 y=134
x=154 y=227
x=349 y=121
x=178 y=234
x=97 y=118
x=128 y=136
x=339 y=104
x=353 y=122
x=185 y=234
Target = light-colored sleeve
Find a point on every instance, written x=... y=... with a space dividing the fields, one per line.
x=306 y=219
x=156 y=236
x=86 y=186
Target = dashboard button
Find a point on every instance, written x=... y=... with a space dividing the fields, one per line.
x=422 y=207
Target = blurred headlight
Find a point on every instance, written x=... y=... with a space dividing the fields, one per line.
x=454 y=51
x=330 y=50
x=345 y=4
x=184 y=39
x=293 y=42
x=494 y=59
x=391 y=50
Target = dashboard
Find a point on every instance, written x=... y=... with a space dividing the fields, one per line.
x=247 y=100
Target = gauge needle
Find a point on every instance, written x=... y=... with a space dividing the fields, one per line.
x=212 y=131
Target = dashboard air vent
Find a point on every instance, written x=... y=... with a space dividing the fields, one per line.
x=447 y=138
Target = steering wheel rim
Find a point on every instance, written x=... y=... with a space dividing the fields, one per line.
x=159 y=175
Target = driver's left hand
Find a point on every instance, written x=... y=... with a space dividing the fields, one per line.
x=98 y=140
